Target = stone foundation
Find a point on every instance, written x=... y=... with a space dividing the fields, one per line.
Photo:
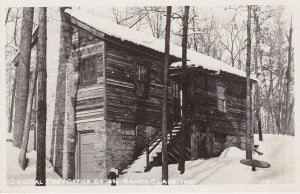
x=222 y=141
x=122 y=150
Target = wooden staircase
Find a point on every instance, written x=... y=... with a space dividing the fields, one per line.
x=173 y=148
x=152 y=155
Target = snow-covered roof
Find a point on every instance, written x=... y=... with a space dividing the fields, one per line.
x=194 y=58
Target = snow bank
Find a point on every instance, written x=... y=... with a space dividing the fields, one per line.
x=139 y=165
x=16 y=176
x=278 y=150
x=9 y=136
x=233 y=152
x=139 y=38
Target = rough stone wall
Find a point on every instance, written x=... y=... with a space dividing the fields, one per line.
x=236 y=141
x=69 y=128
x=122 y=150
x=63 y=137
x=221 y=141
x=53 y=45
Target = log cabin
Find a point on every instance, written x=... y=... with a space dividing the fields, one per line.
x=108 y=98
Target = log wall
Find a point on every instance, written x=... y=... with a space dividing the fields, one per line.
x=123 y=105
x=226 y=128
x=233 y=121
x=90 y=98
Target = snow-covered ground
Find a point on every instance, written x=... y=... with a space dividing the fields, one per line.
x=16 y=176
x=278 y=150
x=138 y=166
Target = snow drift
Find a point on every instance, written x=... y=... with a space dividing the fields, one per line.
x=278 y=150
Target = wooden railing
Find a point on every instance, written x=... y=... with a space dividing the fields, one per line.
x=155 y=140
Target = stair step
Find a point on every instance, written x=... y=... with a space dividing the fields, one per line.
x=188 y=149
x=173 y=145
x=174 y=150
x=174 y=157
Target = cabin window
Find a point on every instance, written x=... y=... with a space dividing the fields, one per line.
x=88 y=71
x=141 y=80
x=176 y=97
x=175 y=88
x=221 y=98
x=127 y=129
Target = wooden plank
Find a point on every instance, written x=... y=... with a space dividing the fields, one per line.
x=87 y=137
x=98 y=45
x=89 y=112
x=122 y=102
x=87 y=158
x=87 y=163
x=88 y=120
x=88 y=167
x=89 y=117
x=88 y=148
x=233 y=121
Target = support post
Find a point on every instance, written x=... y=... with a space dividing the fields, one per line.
x=248 y=86
x=147 y=157
x=165 y=173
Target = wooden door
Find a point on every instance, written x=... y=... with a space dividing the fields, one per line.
x=87 y=163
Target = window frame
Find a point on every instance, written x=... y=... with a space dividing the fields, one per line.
x=127 y=129
x=221 y=98
x=141 y=81
x=176 y=95
x=175 y=87
x=88 y=68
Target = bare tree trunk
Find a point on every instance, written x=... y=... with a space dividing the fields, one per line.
x=7 y=15
x=165 y=100
x=181 y=166
x=291 y=108
x=273 y=122
x=256 y=52
x=279 y=108
x=23 y=76
x=248 y=62
x=232 y=59
x=288 y=81
x=195 y=42
x=240 y=63
x=266 y=122
x=12 y=103
x=41 y=100
x=270 y=95
x=22 y=156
